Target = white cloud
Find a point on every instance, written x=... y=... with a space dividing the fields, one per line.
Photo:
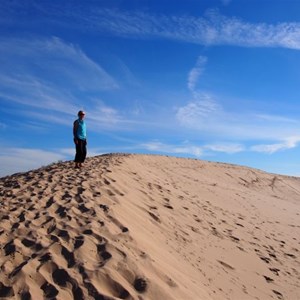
x=288 y=143
x=172 y=149
x=106 y=114
x=194 y=150
x=35 y=93
x=102 y=117
x=202 y=108
x=196 y=72
x=68 y=151
x=205 y=114
x=209 y=149
x=188 y=148
x=55 y=61
x=211 y=29
x=275 y=118
x=229 y=148
x=48 y=74
x=14 y=160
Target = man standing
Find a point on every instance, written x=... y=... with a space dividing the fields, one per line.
x=79 y=133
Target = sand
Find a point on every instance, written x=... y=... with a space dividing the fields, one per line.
x=149 y=227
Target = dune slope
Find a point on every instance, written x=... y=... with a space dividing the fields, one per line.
x=149 y=227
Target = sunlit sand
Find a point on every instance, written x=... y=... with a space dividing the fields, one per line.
x=149 y=227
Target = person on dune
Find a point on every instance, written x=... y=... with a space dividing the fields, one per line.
x=80 y=140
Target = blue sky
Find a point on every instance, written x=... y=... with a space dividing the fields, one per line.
x=211 y=79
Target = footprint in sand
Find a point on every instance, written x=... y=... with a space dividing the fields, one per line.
x=79 y=241
x=43 y=259
x=31 y=244
x=290 y=255
x=268 y=279
x=83 y=208
x=25 y=295
x=224 y=264
x=106 y=181
x=140 y=284
x=104 y=207
x=9 y=248
x=155 y=217
x=103 y=253
x=6 y=291
x=69 y=256
x=61 y=211
x=49 y=202
x=265 y=259
x=17 y=269
x=278 y=294
x=49 y=290
x=61 y=278
x=21 y=217
x=168 y=206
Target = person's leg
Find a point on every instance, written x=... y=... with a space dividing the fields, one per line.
x=83 y=151
x=78 y=154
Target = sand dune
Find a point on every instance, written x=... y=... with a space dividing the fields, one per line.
x=149 y=227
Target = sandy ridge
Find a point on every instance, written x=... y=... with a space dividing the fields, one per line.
x=149 y=227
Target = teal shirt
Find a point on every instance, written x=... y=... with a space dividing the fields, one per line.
x=81 y=130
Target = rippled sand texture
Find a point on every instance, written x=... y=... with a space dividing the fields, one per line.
x=149 y=227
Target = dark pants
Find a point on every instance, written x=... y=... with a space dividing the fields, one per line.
x=80 y=151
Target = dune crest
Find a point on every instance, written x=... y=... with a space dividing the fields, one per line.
x=149 y=227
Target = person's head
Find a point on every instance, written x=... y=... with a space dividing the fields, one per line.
x=81 y=114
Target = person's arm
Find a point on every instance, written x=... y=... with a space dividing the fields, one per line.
x=75 y=126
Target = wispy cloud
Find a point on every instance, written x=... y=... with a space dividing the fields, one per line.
x=60 y=64
x=104 y=116
x=201 y=109
x=192 y=149
x=275 y=118
x=48 y=74
x=210 y=29
x=172 y=149
x=34 y=92
x=196 y=72
x=228 y=148
x=288 y=143
x=23 y=159
x=212 y=149
x=206 y=115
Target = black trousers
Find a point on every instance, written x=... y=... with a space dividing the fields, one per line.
x=80 y=151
